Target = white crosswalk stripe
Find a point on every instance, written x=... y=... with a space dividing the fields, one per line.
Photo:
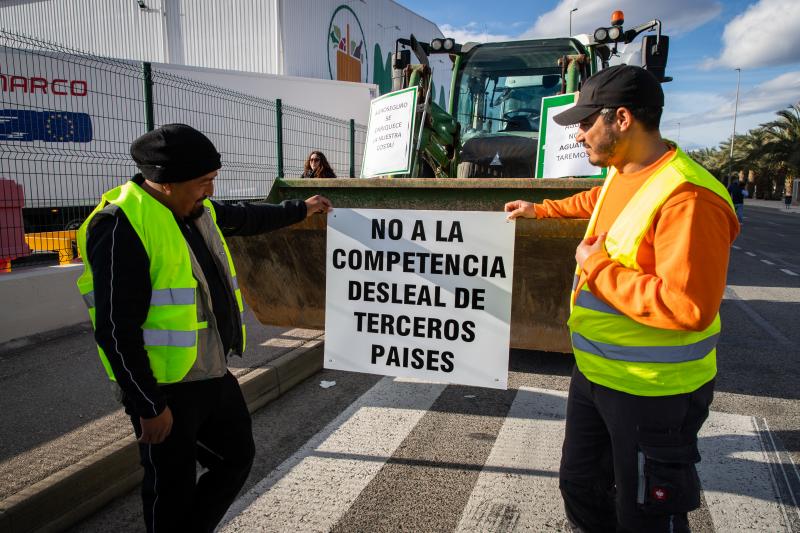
x=311 y=490
x=517 y=488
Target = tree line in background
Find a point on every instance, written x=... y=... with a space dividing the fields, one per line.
x=766 y=158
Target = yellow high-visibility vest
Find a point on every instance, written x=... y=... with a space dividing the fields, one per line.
x=614 y=350
x=173 y=320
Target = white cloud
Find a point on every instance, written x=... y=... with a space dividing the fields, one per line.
x=678 y=16
x=711 y=135
x=772 y=95
x=685 y=104
x=473 y=32
x=707 y=118
x=766 y=34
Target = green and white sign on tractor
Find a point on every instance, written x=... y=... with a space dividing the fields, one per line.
x=559 y=154
x=388 y=145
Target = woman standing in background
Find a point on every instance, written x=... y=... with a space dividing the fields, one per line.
x=317 y=166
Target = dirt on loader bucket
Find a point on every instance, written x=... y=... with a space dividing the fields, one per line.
x=282 y=273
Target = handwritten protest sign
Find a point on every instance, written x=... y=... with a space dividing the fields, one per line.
x=391 y=125
x=560 y=155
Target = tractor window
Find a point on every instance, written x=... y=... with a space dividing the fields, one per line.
x=501 y=86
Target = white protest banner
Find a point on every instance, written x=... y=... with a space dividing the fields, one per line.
x=387 y=149
x=559 y=154
x=424 y=294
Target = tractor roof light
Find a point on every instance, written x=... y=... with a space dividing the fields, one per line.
x=600 y=35
x=449 y=44
x=437 y=44
x=614 y=33
x=617 y=18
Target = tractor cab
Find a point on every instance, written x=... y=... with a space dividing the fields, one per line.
x=497 y=100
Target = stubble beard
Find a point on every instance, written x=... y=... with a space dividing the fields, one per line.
x=604 y=149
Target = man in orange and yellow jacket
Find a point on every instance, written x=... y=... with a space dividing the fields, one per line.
x=644 y=318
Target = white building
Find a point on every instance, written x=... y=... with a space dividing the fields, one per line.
x=347 y=40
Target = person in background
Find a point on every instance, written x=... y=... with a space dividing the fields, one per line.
x=163 y=296
x=737 y=191
x=644 y=317
x=317 y=166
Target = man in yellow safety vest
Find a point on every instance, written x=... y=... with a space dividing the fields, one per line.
x=644 y=318
x=164 y=300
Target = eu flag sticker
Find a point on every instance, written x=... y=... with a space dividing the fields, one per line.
x=47 y=126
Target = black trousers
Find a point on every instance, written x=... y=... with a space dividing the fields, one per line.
x=211 y=426
x=628 y=462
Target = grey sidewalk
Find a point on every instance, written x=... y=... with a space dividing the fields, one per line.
x=771 y=204
x=58 y=408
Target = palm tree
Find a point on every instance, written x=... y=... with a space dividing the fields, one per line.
x=784 y=141
x=771 y=152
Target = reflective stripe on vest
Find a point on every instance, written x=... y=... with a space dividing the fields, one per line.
x=646 y=354
x=173 y=297
x=614 y=350
x=590 y=301
x=168 y=337
x=158 y=297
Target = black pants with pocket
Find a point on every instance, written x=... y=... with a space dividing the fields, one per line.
x=628 y=462
x=211 y=426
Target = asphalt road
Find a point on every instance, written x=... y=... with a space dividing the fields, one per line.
x=370 y=454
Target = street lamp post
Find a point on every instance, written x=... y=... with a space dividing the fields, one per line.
x=574 y=9
x=733 y=134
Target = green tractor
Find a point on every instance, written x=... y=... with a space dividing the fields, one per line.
x=491 y=126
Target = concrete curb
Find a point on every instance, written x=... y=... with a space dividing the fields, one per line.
x=72 y=494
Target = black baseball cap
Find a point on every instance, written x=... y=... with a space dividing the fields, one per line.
x=618 y=86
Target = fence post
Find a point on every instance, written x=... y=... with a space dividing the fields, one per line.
x=279 y=128
x=352 y=148
x=147 y=73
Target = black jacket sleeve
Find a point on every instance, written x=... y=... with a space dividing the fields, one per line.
x=251 y=219
x=120 y=268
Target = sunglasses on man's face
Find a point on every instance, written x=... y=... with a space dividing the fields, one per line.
x=314 y=159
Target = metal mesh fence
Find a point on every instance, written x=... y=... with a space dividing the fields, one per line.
x=302 y=128
x=242 y=127
x=67 y=120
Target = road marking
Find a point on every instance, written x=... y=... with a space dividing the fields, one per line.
x=312 y=489
x=787 y=271
x=746 y=487
x=786 y=476
x=767 y=262
x=518 y=486
x=766 y=294
x=751 y=254
x=738 y=477
x=732 y=294
x=736 y=247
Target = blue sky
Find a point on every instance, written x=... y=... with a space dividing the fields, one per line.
x=709 y=39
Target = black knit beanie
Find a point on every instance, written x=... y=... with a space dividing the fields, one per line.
x=173 y=153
